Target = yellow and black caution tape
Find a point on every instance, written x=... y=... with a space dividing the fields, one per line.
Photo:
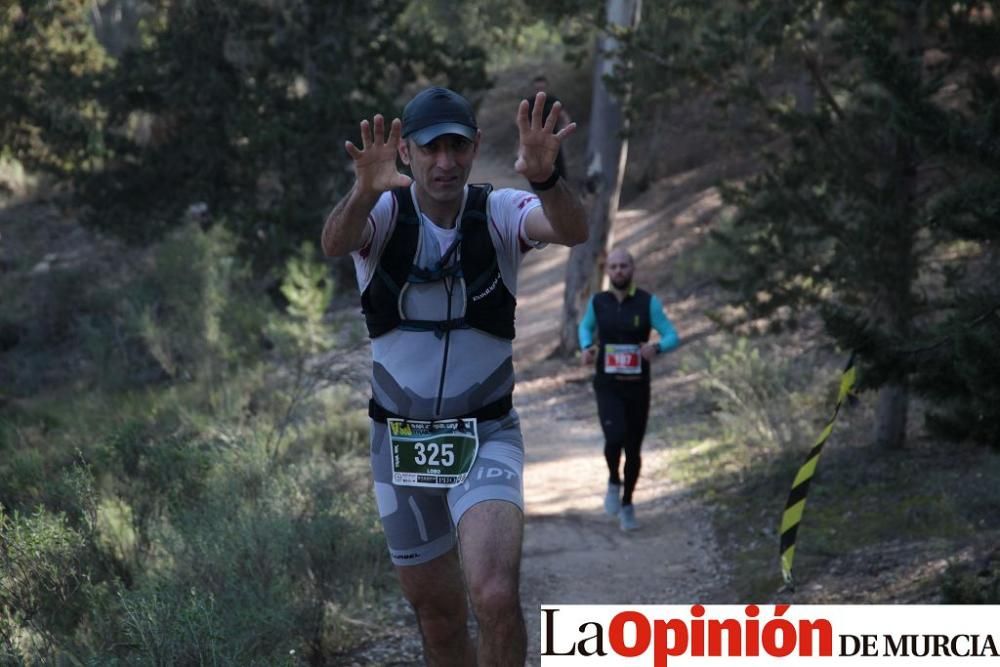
x=800 y=487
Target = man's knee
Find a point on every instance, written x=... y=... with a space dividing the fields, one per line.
x=495 y=596
x=490 y=534
x=614 y=448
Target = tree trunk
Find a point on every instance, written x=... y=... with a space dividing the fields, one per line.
x=890 y=416
x=805 y=94
x=607 y=150
x=893 y=402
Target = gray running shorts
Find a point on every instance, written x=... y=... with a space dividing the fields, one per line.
x=419 y=523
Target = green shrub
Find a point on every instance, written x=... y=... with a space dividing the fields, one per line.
x=973 y=583
x=201 y=544
x=188 y=310
x=183 y=301
x=268 y=562
x=754 y=397
x=224 y=514
x=308 y=288
x=27 y=471
x=41 y=568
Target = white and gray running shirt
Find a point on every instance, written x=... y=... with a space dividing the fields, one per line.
x=426 y=374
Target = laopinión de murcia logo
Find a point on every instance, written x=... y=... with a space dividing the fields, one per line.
x=757 y=632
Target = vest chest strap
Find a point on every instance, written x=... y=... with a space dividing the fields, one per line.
x=439 y=327
x=495 y=410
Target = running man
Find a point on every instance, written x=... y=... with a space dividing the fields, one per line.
x=436 y=262
x=623 y=318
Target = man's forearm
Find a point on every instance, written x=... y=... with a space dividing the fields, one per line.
x=588 y=325
x=343 y=227
x=565 y=213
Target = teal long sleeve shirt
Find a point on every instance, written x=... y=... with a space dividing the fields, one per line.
x=657 y=317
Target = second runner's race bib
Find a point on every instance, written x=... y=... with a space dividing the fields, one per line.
x=622 y=360
x=432 y=453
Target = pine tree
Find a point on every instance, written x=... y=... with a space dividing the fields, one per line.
x=51 y=67
x=234 y=111
x=878 y=198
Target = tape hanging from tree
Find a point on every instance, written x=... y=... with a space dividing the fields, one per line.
x=796 y=504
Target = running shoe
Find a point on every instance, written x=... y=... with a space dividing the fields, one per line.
x=613 y=499
x=626 y=519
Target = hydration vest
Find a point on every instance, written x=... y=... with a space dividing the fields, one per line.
x=627 y=322
x=489 y=305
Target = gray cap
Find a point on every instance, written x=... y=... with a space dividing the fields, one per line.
x=437 y=111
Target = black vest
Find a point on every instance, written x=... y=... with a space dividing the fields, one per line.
x=627 y=322
x=489 y=306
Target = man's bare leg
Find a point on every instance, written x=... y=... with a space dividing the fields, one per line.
x=437 y=593
x=490 y=535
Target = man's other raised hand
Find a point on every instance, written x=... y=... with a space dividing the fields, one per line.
x=539 y=143
x=375 y=162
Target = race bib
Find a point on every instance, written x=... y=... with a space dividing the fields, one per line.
x=432 y=453
x=622 y=360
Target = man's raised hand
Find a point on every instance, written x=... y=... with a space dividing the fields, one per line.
x=539 y=143
x=375 y=162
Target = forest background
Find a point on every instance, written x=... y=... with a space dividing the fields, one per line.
x=183 y=461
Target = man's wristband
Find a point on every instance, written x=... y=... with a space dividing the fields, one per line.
x=547 y=184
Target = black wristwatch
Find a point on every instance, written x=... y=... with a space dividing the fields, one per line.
x=547 y=184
